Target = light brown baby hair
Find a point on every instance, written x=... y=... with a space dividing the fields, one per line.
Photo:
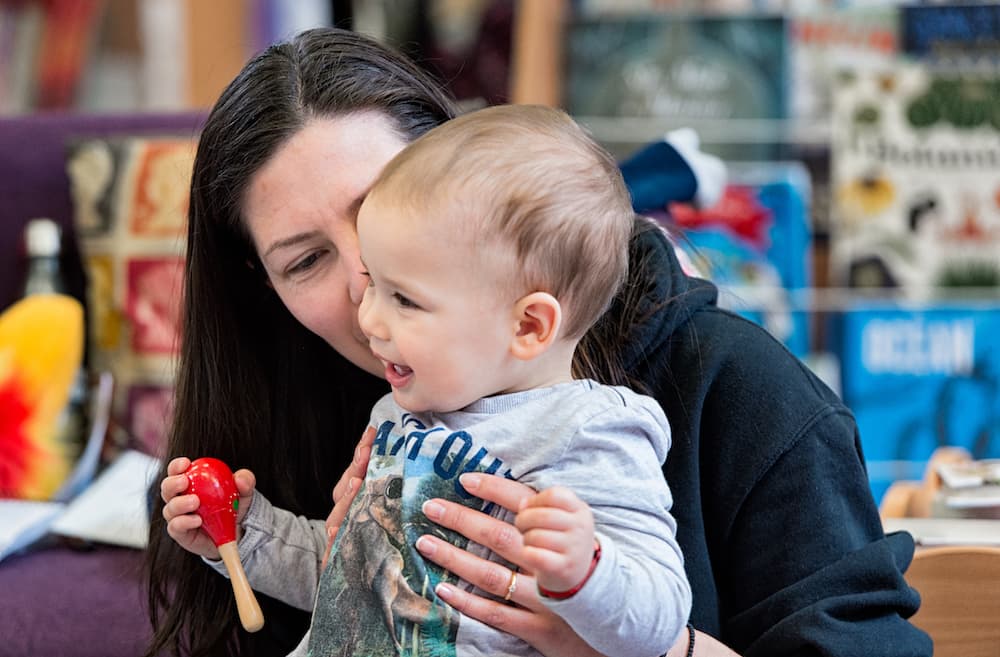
x=529 y=177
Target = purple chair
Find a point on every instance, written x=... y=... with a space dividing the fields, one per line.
x=54 y=599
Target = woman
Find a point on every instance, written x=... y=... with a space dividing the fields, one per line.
x=782 y=542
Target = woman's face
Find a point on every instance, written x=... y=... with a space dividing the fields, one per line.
x=301 y=210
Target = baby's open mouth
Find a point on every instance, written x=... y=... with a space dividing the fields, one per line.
x=397 y=375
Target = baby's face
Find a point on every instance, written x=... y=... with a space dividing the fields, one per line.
x=434 y=312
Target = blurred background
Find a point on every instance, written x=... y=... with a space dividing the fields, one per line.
x=860 y=223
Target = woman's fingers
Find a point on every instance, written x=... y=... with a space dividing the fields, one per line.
x=339 y=511
x=499 y=536
x=494 y=488
x=548 y=633
x=358 y=467
x=486 y=575
x=499 y=615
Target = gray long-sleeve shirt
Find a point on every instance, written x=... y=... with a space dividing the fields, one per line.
x=376 y=595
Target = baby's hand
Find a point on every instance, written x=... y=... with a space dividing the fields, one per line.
x=179 y=510
x=558 y=530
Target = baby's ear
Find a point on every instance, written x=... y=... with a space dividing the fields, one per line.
x=538 y=317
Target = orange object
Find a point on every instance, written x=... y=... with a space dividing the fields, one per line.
x=41 y=348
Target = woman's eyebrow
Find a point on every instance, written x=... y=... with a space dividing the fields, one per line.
x=291 y=241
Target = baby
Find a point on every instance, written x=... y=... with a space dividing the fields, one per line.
x=491 y=245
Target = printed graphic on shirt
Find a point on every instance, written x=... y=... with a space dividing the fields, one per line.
x=376 y=596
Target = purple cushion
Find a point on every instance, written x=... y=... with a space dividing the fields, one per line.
x=33 y=180
x=60 y=601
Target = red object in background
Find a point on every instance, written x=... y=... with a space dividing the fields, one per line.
x=212 y=481
x=739 y=209
x=17 y=452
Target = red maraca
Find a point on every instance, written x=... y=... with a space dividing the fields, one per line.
x=212 y=481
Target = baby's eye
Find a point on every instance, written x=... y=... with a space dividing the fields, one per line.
x=404 y=302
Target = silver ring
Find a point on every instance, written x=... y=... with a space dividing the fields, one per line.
x=512 y=587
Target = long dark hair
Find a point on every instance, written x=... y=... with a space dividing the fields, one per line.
x=254 y=387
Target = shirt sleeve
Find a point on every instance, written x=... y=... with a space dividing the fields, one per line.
x=638 y=599
x=281 y=553
x=840 y=589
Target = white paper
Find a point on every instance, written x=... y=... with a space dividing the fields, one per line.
x=113 y=508
x=22 y=522
x=947 y=531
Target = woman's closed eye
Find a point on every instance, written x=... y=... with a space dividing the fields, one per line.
x=306 y=263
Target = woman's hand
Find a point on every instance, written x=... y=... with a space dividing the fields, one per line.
x=179 y=510
x=347 y=488
x=530 y=620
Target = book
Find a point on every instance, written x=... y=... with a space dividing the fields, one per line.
x=916 y=195
x=113 y=509
x=712 y=70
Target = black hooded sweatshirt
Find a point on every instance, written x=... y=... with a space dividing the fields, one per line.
x=781 y=537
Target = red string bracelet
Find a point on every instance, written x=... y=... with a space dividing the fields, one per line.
x=562 y=595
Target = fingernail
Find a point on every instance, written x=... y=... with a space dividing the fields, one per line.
x=433 y=510
x=357 y=453
x=445 y=591
x=426 y=546
x=363 y=453
x=470 y=480
x=352 y=483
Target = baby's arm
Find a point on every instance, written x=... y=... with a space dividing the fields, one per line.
x=281 y=552
x=637 y=599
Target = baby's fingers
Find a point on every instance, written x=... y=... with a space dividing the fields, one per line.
x=557 y=497
x=179 y=506
x=179 y=526
x=546 y=518
x=245 y=482
x=178 y=465
x=173 y=486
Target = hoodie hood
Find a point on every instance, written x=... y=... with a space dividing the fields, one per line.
x=671 y=297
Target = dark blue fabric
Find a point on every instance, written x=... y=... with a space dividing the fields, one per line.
x=781 y=537
x=656 y=175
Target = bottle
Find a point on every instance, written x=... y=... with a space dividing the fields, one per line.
x=42 y=241
x=42 y=247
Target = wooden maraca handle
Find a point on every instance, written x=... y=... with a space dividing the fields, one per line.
x=251 y=616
